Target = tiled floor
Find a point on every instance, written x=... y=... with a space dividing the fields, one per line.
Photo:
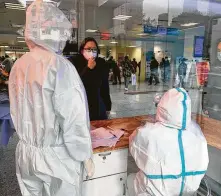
x=123 y=106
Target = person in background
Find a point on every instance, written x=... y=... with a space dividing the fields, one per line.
x=154 y=71
x=167 y=69
x=7 y=63
x=135 y=65
x=93 y=71
x=2 y=59
x=172 y=153
x=49 y=110
x=116 y=71
x=182 y=69
x=162 y=69
x=139 y=67
x=127 y=71
x=4 y=77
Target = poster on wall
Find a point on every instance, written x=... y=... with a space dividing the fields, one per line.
x=202 y=72
x=198 y=46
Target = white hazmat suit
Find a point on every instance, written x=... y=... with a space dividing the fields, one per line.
x=49 y=109
x=172 y=153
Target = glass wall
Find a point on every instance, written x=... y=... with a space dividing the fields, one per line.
x=181 y=37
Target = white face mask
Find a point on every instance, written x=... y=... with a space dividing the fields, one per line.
x=89 y=55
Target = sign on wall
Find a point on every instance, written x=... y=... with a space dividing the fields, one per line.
x=160 y=30
x=198 y=46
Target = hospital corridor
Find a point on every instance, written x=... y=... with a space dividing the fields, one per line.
x=110 y=98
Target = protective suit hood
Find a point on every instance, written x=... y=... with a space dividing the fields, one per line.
x=174 y=109
x=46 y=26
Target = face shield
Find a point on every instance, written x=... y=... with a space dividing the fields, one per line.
x=48 y=26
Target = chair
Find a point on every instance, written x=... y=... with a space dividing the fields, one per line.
x=204 y=189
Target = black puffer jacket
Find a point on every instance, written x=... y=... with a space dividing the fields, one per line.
x=96 y=85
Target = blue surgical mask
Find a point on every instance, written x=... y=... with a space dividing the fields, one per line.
x=89 y=54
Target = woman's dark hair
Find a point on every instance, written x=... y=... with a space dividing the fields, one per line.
x=86 y=40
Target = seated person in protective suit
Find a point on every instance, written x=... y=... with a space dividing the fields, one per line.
x=172 y=153
x=49 y=109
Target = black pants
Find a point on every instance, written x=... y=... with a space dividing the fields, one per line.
x=117 y=77
x=154 y=74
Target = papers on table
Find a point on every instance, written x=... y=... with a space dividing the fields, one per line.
x=103 y=137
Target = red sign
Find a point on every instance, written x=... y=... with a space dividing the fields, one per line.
x=202 y=70
x=105 y=36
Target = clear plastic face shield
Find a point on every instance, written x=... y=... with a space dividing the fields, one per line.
x=48 y=25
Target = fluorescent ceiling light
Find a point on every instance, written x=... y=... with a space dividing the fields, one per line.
x=121 y=17
x=20 y=37
x=189 y=24
x=17 y=25
x=132 y=46
x=4 y=46
x=141 y=34
x=14 y=6
x=114 y=42
x=101 y=45
x=91 y=30
x=21 y=41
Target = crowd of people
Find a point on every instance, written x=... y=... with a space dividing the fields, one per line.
x=124 y=68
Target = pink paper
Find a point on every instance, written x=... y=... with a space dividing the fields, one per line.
x=118 y=133
x=101 y=133
x=102 y=137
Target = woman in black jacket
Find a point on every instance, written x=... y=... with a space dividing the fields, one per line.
x=93 y=71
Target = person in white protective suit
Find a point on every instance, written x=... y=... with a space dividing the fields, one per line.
x=49 y=109
x=172 y=153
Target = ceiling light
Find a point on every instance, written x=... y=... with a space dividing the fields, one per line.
x=20 y=37
x=4 y=46
x=14 y=6
x=91 y=30
x=114 y=42
x=189 y=24
x=132 y=46
x=141 y=34
x=17 y=25
x=21 y=41
x=122 y=17
x=101 y=45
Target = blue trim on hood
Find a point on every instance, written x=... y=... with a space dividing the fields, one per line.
x=184 y=118
x=183 y=173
